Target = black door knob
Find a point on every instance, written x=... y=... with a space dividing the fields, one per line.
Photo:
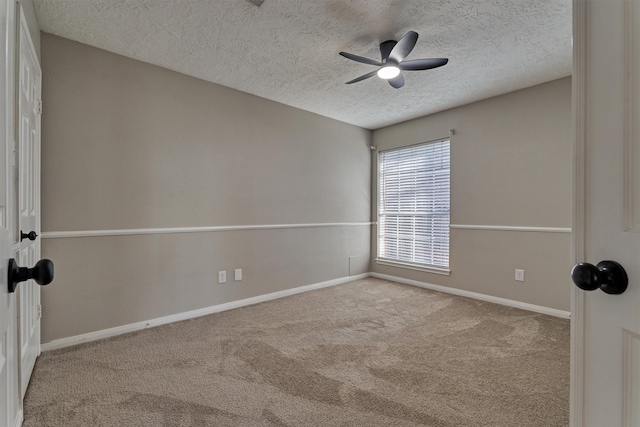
x=42 y=273
x=609 y=276
x=30 y=235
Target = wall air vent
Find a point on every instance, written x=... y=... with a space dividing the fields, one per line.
x=256 y=2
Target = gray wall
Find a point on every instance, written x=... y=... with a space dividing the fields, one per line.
x=511 y=166
x=127 y=145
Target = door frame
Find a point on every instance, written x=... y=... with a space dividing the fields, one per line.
x=13 y=415
x=579 y=196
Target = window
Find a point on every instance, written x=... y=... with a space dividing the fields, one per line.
x=413 y=223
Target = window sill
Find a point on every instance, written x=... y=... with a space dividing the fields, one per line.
x=435 y=270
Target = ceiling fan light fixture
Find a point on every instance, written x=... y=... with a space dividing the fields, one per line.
x=388 y=72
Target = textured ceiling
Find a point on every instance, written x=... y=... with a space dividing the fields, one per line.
x=287 y=50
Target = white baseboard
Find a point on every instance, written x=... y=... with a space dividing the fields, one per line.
x=474 y=295
x=119 y=330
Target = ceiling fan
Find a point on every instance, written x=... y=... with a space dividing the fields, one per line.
x=393 y=55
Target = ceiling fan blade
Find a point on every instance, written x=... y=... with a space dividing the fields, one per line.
x=365 y=76
x=404 y=46
x=386 y=48
x=360 y=59
x=422 y=64
x=397 y=82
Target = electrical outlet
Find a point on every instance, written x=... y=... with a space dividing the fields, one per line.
x=222 y=276
x=237 y=274
x=519 y=275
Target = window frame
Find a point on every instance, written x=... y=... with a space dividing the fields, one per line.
x=442 y=270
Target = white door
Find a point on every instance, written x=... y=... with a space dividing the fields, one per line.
x=19 y=207
x=605 y=327
x=29 y=109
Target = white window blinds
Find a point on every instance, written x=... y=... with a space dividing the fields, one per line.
x=414 y=187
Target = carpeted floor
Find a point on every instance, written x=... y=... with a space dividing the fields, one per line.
x=365 y=353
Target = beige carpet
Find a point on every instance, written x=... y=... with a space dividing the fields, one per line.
x=365 y=353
